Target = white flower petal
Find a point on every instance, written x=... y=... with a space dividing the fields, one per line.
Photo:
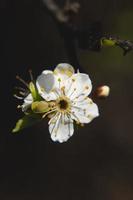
x=28 y=99
x=84 y=111
x=92 y=111
x=27 y=102
x=62 y=73
x=77 y=85
x=45 y=84
x=64 y=70
x=61 y=128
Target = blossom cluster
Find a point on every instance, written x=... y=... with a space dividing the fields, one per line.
x=62 y=96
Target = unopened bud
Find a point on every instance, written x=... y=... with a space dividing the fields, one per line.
x=39 y=107
x=103 y=91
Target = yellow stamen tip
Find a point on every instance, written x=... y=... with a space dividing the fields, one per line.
x=59 y=79
x=86 y=87
x=73 y=80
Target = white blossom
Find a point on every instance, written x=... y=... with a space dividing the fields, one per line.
x=69 y=91
x=27 y=102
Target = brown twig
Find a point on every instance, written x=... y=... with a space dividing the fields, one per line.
x=63 y=18
x=90 y=38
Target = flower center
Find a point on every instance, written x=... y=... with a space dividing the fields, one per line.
x=63 y=104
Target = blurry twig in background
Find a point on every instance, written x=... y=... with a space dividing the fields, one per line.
x=88 y=38
x=64 y=20
x=61 y=15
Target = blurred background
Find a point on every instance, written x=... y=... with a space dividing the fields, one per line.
x=97 y=162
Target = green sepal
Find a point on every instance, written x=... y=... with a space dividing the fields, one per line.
x=26 y=121
x=34 y=92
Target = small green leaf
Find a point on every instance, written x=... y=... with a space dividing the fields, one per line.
x=26 y=121
x=33 y=90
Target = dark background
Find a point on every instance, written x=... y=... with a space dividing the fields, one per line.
x=97 y=162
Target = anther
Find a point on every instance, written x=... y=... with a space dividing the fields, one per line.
x=59 y=79
x=18 y=97
x=86 y=87
x=22 y=93
x=73 y=80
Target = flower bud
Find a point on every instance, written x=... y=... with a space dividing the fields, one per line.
x=39 y=106
x=103 y=91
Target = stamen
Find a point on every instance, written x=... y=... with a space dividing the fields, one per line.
x=69 y=118
x=72 y=113
x=51 y=115
x=70 y=86
x=72 y=92
x=84 y=111
x=73 y=79
x=56 y=92
x=56 y=124
x=63 y=90
x=22 y=81
x=22 y=93
x=20 y=88
x=63 y=118
x=86 y=87
x=53 y=118
x=59 y=80
x=42 y=89
x=53 y=127
x=79 y=109
x=49 y=112
x=18 y=97
x=80 y=103
x=86 y=101
x=82 y=94
x=31 y=75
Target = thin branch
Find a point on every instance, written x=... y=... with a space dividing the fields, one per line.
x=61 y=15
x=90 y=38
x=63 y=18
